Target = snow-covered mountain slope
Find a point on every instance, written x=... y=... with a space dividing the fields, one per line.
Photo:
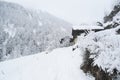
x=60 y=64
x=113 y=18
x=24 y=31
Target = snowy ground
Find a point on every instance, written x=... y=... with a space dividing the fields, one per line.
x=60 y=64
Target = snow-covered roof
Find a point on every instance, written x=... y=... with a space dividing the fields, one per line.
x=87 y=27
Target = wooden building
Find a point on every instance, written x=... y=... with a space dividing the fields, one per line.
x=78 y=30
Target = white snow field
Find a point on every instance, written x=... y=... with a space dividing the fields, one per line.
x=59 y=64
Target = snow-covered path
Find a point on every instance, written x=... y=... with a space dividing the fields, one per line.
x=60 y=64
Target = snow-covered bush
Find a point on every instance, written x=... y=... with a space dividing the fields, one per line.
x=103 y=48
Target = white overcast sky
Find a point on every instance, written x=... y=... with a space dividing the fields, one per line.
x=74 y=11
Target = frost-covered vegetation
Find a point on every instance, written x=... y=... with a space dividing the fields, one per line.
x=24 y=31
x=102 y=49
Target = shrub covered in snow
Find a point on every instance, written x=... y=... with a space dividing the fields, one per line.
x=103 y=48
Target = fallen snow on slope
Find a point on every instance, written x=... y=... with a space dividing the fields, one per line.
x=60 y=64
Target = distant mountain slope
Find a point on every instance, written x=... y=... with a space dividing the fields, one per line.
x=24 y=31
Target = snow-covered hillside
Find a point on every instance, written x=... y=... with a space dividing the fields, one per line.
x=65 y=63
x=24 y=31
x=94 y=56
x=60 y=64
x=112 y=20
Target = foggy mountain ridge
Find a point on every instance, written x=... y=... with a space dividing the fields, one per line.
x=24 y=31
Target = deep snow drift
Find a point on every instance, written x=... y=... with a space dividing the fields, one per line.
x=60 y=64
